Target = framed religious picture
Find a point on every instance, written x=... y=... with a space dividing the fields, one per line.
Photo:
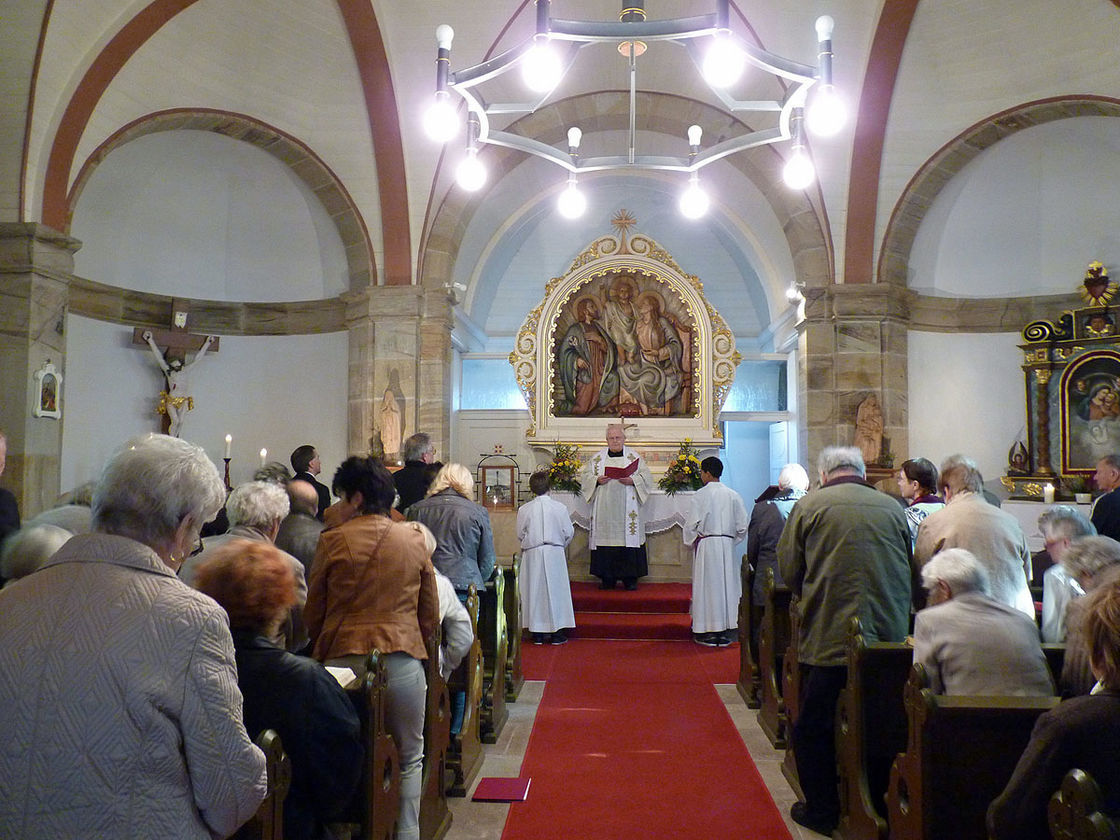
x=48 y=390
x=1089 y=393
x=498 y=487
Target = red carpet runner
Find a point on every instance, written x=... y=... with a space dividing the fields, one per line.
x=631 y=740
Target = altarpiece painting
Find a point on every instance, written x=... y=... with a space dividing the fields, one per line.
x=625 y=335
x=1072 y=371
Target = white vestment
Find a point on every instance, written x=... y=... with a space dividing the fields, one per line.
x=616 y=508
x=717 y=520
x=544 y=527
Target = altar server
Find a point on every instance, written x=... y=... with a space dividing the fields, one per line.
x=716 y=521
x=544 y=527
x=616 y=483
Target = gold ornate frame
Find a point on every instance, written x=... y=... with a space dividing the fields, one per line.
x=714 y=355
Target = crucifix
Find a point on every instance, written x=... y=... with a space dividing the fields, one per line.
x=170 y=349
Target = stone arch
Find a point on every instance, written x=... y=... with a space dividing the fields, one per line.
x=935 y=173
x=801 y=214
x=309 y=168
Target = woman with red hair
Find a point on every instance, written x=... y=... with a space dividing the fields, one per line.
x=255 y=585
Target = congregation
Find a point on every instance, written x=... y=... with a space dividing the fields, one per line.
x=158 y=636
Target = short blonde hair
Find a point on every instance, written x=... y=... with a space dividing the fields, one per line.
x=457 y=478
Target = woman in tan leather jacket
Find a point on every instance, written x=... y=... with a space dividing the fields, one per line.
x=373 y=586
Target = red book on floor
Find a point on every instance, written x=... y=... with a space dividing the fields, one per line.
x=621 y=472
x=502 y=790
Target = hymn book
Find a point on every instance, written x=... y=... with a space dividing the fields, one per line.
x=621 y=472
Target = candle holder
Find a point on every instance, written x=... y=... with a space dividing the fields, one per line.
x=228 y=485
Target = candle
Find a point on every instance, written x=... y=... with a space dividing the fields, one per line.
x=264 y=458
x=229 y=444
x=1048 y=493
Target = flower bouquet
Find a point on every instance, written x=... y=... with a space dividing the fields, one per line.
x=565 y=467
x=684 y=472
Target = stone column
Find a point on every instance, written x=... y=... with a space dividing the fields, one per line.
x=36 y=264
x=852 y=342
x=400 y=340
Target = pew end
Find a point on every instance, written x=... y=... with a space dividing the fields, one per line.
x=435 y=815
x=749 y=683
x=464 y=757
x=773 y=641
x=515 y=677
x=960 y=753
x=870 y=731
x=1074 y=812
x=268 y=822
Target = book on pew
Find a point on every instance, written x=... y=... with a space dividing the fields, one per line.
x=496 y=789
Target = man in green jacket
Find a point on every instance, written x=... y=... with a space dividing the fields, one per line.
x=845 y=552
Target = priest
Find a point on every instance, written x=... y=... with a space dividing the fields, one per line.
x=616 y=483
x=717 y=520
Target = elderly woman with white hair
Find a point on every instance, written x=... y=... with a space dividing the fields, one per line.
x=766 y=523
x=464 y=542
x=118 y=683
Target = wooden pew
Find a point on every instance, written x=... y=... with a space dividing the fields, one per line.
x=494 y=636
x=268 y=822
x=1075 y=811
x=791 y=695
x=960 y=753
x=870 y=731
x=377 y=803
x=464 y=757
x=772 y=643
x=750 y=680
x=435 y=816
x=1055 y=658
x=515 y=678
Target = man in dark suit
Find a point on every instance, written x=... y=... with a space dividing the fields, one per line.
x=299 y=531
x=9 y=509
x=412 y=480
x=305 y=462
x=1106 y=509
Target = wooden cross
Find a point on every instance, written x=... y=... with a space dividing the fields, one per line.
x=173 y=345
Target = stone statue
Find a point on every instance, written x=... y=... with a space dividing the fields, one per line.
x=869 y=429
x=390 y=424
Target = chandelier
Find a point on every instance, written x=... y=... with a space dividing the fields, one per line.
x=720 y=55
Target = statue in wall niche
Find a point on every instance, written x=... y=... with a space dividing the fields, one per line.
x=869 y=429
x=390 y=424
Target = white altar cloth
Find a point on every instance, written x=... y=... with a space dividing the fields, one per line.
x=662 y=511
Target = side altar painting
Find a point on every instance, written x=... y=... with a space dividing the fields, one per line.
x=1072 y=373
x=624 y=336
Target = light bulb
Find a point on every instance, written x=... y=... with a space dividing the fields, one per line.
x=724 y=62
x=574 y=137
x=441 y=122
x=798 y=173
x=444 y=34
x=572 y=203
x=694 y=201
x=695 y=132
x=471 y=174
x=540 y=68
x=824 y=26
x=826 y=113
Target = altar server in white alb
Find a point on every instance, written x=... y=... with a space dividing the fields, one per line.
x=544 y=527
x=617 y=482
x=716 y=521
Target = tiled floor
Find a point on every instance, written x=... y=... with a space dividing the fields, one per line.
x=485 y=820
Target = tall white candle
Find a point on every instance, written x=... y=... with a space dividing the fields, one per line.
x=264 y=456
x=1048 y=493
x=229 y=444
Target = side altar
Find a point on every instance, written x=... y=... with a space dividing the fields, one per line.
x=1071 y=369
x=626 y=336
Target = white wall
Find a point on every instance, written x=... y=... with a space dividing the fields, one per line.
x=275 y=392
x=966 y=396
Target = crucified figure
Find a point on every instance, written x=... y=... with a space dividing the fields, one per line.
x=174 y=402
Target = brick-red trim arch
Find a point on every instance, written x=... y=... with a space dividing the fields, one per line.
x=373 y=68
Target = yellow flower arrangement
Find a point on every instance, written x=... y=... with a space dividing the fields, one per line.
x=684 y=472
x=565 y=467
